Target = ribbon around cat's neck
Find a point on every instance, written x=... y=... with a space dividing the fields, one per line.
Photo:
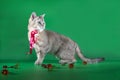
x=32 y=39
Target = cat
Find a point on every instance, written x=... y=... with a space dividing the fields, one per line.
x=51 y=42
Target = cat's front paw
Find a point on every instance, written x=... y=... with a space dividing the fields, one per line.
x=37 y=62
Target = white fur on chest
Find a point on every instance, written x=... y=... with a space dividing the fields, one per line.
x=38 y=39
x=38 y=44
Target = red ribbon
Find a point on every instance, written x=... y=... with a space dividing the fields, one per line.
x=32 y=39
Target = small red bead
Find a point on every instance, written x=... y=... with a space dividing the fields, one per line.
x=71 y=65
x=84 y=62
x=50 y=67
x=5 y=72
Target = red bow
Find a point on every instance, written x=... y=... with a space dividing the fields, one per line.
x=32 y=39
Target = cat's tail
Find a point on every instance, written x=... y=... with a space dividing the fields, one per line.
x=88 y=60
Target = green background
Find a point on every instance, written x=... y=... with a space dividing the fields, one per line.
x=93 y=24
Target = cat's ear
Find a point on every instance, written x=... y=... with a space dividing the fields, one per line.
x=42 y=16
x=33 y=16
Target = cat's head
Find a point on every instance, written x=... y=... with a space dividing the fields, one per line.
x=36 y=22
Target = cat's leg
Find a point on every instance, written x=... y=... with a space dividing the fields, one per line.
x=40 y=55
x=66 y=57
x=63 y=62
x=67 y=61
x=38 y=61
x=40 y=58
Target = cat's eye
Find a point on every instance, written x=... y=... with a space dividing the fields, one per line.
x=39 y=22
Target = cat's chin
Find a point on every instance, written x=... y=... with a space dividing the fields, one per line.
x=40 y=29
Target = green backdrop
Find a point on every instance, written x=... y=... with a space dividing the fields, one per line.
x=93 y=24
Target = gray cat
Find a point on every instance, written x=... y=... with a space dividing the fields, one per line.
x=59 y=45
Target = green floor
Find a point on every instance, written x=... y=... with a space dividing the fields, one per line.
x=108 y=70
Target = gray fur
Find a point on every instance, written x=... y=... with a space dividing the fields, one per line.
x=59 y=45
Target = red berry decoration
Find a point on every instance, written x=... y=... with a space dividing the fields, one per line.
x=84 y=62
x=71 y=66
x=49 y=66
x=5 y=72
